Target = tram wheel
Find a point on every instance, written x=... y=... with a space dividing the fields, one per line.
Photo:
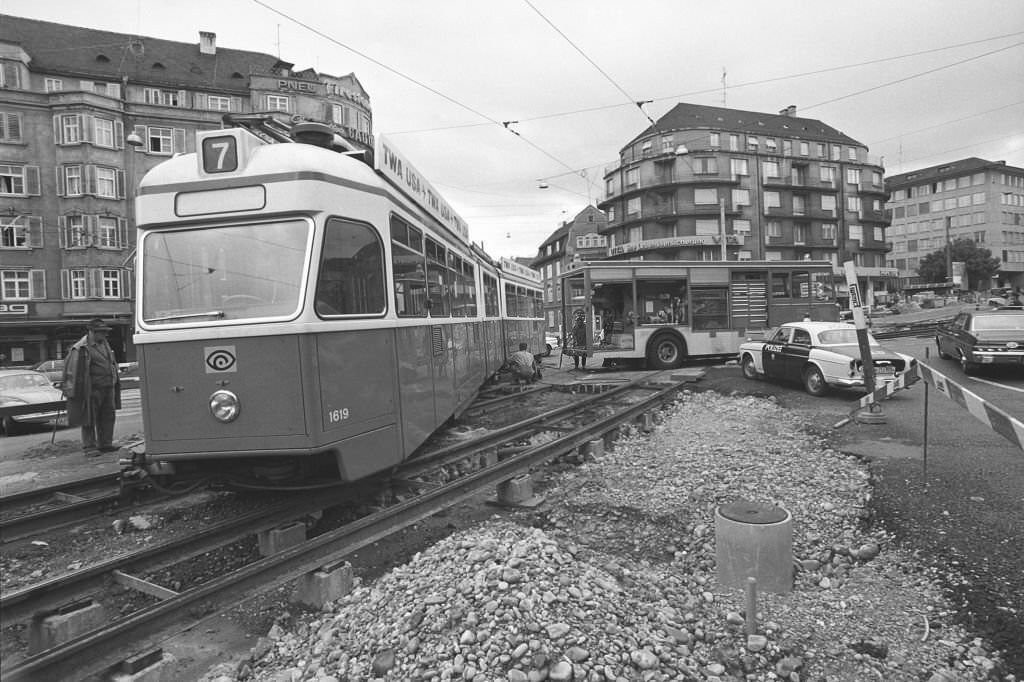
x=666 y=352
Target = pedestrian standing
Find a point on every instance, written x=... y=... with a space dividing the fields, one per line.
x=578 y=336
x=92 y=388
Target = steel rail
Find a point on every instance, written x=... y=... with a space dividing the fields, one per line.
x=98 y=651
x=27 y=525
x=39 y=495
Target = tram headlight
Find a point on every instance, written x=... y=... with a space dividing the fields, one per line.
x=224 y=406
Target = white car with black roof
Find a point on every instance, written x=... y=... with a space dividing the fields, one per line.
x=819 y=355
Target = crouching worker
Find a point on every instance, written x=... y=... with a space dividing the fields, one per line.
x=524 y=365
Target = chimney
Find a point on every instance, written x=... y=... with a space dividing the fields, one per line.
x=788 y=111
x=207 y=42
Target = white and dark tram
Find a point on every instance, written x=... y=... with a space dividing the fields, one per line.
x=305 y=317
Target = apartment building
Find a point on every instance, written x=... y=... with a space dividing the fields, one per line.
x=971 y=199
x=574 y=240
x=80 y=126
x=710 y=183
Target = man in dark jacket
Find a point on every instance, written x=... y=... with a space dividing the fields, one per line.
x=93 y=389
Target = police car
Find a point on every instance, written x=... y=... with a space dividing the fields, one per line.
x=820 y=355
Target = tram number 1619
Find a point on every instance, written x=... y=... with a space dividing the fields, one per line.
x=335 y=416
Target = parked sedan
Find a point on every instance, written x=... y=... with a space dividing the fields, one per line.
x=820 y=355
x=27 y=387
x=53 y=369
x=983 y=337
x=551 y=341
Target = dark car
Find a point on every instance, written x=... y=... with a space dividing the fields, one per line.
x=53 y=369
x=983 y=337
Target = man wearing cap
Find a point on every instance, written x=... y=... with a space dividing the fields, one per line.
x=93 y=389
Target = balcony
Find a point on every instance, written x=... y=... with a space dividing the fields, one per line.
x=815 y=184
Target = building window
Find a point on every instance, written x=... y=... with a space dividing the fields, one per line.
x=74 y=232
x=828 y=203
x=774 y=229
x=10 y=75
x=19 y=180
x=278 y=103
x=218 y=103
x=713 y=140
x=787 y=148
x=853 y=176
x=107 y=233
x=632 y=177
x=738 y=166
x=771 y=145
x=853 y=204
x=705 y=196
x=111 y=284
x=106 y=183
x=70 y=129
x=772 y=200
x=978 y=198
x=857 y=233
x=708 y=227
x=73 y=181
x=836 y=152
x=851 y=153
x=821 y=150
x=16 y=285
x=167 y=98
x=752 y=143
x=161 y=140
x=770 y=169
x=706 y=165
x=104 y=133
x=741 y=197
x=633 y=206
x=800 y=233
x=734 y=143
x=13 y=233
x=805 y=149
x=740 y=226
x=799 y=204
x=76 y=284
x=828 y=232
x=827 y=174
x=879 y=234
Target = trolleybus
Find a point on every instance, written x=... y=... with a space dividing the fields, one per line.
x=666 y=311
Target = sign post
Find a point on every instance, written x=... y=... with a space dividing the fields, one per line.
x=874 y=414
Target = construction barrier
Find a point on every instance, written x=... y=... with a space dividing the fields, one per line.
x=905 y=380
x=1002 y=423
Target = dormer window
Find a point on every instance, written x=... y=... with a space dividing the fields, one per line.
x=158 y=65
x=102 y=58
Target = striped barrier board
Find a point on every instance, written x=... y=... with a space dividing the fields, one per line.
x=1006 y=426
x=905 y=380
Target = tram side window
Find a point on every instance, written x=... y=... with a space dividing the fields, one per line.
x=710 y=308
x=464 y=290
x=410 y=270
x=491 y=299
x=439 y=281
x=351 y=279
x=517 y=303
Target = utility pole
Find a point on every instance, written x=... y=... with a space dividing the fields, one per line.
x=721 y=227
x=949 y=253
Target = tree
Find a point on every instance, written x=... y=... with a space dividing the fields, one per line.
x=979 y=263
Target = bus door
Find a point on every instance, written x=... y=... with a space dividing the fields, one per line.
x=773 y=357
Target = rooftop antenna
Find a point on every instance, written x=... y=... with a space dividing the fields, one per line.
x=723 y=87
x=278 y=41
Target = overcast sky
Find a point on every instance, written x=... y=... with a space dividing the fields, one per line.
x=920 y=83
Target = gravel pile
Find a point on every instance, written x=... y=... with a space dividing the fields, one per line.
x=614 y=578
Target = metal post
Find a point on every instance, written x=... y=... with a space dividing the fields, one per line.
x=721 y=227
x=925 y=449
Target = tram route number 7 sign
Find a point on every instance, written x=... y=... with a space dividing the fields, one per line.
x=856 y=301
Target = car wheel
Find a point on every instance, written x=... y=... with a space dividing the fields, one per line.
x=665 y=353
x=966 y=365
x=10 y=427
x=749 y=370
x=942 y=354
x=814 y=381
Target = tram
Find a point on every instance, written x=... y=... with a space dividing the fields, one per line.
x=306 y=317
x=664 y=312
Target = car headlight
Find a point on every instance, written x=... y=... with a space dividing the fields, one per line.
x=224 y=406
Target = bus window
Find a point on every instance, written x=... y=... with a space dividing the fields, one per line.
x=801 y=282
x=662 y=301
x=780 y=285
x=710 y=308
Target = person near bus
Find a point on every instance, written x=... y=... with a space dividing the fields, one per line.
x=578 y=337
x=93 y=389
x=524 y=365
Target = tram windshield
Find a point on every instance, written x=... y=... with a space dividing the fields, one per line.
x=230 y=272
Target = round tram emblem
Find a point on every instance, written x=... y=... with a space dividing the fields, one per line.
x=220 y=359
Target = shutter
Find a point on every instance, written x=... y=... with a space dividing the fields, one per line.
x=122 y=233
x=178 y=141
x=14 y=127
x=62 y=232
x=94 y=278
x=65 y=284
x=11 y=80
x=183 y=99
x=3 y=126
x=126 y=284
x=60 y=181
x=141 y=132
x=118 y=135
x=89 y=171
x=32 y=180
x=37 y=284
x=35 y=232
x=235 y=104
x=87 y=128
x=119 y=183
x=56 y=130
x=89 y=223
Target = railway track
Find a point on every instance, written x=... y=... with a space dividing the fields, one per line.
x=518 y=448
x=36 y=511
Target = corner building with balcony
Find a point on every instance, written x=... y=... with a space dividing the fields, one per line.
x=710 y=183
x=84 y=114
